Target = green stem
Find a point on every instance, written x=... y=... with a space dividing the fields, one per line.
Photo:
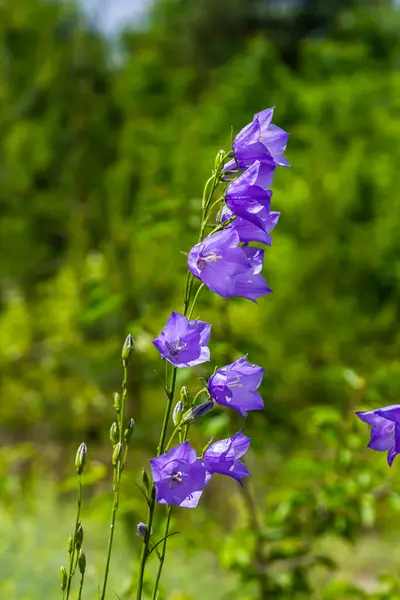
x=162 y=558
x=116 y=477
x=190 y=313
x=170 y=391
x=81 y=586
x=72 y=556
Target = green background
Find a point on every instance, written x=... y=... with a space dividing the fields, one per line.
x=105 y=148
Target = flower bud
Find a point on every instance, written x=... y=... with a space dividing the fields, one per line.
x=114 y=433
x=117 y=402
x=145 y=479
x=116 y=454
x=197 y=412
x=177 y=414
x=82 y=562
x=128 y=431
x=80 y=459
x=79 y=536
x=185 y=396
x=70 y=544
x=127 y=348
x=141 y=529
x=219 y=159
x=63 y=578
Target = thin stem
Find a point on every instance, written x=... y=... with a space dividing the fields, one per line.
x=195 y=300
x=170 y=391
x=72 y=556
x=177 y=428
x=81 y=586
x=161 y=563
x=209 y=189
x=116 y=477
x=203 y=391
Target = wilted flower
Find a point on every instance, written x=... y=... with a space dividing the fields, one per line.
x=260 y=140
x=248 y=195
x=184 y=343
x=179 y=476
x=248 y=231
x=235 y=385
x=223 y=457
x=385 y=429
x=225 y=268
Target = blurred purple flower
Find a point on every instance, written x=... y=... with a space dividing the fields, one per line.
x=184 y=343
x=227 y=269
x=179 y=476
x=248 y=196
x=385 y=429
x=260 y=140
x=235 y=385
x=141 y=529
x=223 y=457
x=248 y=231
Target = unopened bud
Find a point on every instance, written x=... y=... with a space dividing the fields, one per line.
x=117 y=402
x=114 y=433
x=141 y=529
x=80 y=459
x=63 y=578
x=127 y=348
x=128 y=431
x=219 y=159
x=145 y=479
x=79 y=536
x=116 y=454
x=178 y=412
x=197 y=412
x=185 y=396
x=70 y=544
x=82 y=562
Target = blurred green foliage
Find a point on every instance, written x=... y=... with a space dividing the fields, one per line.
x=104 y=153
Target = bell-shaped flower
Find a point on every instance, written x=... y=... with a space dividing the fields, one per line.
x=223 y=457
x=248 y=196
x=260 y=140
x=225 y=268
x=184 y=343
x=248 y=231
x=236 y=385
x=179 y=476
x=385 y=429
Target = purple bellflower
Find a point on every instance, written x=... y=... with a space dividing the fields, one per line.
x=179 y=476
x=184 y=343
x=235 y=385
x=385 y=429
x=248 y=231
x=260 y=140
x=223 y=457
x=248 y=197
x=225 y=268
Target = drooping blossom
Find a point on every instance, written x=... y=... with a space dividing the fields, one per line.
x=225 y=268
x=184 y=343
x=385 y=429
x=236 y=385
x=223 y=457
x=248 y=231
x=260 y=140
x=179 y=476
x=248 y=196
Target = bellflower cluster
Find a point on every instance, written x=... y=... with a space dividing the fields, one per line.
x=221 y=261
x=226 y=261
